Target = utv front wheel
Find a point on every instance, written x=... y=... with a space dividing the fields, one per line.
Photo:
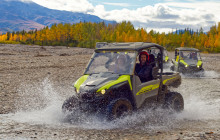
x=182 y=70
x=117 y=108
x=174 y=101
x=201 y=70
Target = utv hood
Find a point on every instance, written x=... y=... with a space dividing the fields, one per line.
x=191 y=62
x=94 y=81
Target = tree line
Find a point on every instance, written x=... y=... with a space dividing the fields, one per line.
x=86 y=34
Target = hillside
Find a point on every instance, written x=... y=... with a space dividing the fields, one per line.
x=16 y=16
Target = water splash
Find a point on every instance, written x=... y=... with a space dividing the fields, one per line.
x=44 y=107
x=47 y=110
x=166 y=66
x=201 y=99
x=40 y=103
x=198 y=109
x=211 y=74
x=204 y=75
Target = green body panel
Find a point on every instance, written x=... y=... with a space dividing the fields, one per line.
x=199 y=63
x=165 y=81
x=119 y=80
x=182 y=61
x=152 y=87
x=148 y=88
x=80 y=81
x=166 y=58
x=177 y=58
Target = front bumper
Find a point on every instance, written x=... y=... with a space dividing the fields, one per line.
x=193 y=69
x=91 y=102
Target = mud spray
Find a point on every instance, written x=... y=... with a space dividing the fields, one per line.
x=41 y=104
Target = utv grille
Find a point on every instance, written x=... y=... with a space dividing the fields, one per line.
x=87 y=96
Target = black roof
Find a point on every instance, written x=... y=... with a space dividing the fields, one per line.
x=187 y=49
x=131 y=46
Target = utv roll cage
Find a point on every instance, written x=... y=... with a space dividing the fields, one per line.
x=131 y=46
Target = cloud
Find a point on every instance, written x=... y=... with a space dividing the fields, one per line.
x=118 y=4
x=170 y=15
x=69 y=5
x=162 y=16
x=164 y=12
x=158 y=12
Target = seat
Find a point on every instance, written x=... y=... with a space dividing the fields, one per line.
x=155 y=68
x=155 y=71
x=152 y=60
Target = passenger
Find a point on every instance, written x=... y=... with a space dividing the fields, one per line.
x=120 y=65
x=144 y=69
x=193 y=56
x=182 y=55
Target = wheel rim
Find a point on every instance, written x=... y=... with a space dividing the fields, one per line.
x=121 y=110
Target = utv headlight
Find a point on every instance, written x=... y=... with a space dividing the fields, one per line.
x=186 y=66
x=198 y=66
x=103 y=91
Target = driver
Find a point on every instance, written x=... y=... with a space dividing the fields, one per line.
x=144 y=69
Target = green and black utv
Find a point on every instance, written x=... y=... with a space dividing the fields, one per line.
x=111 y=93
x=187 y=61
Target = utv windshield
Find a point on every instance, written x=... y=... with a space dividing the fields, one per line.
x=114 y=62
x=190 y=55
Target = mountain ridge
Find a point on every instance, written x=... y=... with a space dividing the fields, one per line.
x=17 y=16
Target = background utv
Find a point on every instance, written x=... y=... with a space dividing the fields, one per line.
x=111 y=94
x=187 y=61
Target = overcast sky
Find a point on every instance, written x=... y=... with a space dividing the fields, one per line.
x=160 y=15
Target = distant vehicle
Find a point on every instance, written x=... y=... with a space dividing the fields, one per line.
x=156 y=52
x=102 y=89
x=187 y=60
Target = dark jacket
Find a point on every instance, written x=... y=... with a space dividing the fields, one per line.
x=144 y=72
